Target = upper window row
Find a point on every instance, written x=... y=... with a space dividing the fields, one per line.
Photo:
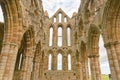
x=60 y=36
x=60 y=18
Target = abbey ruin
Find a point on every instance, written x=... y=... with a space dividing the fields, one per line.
x=34 y=46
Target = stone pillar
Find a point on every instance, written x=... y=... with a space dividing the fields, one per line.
x=112 y=69
x=7 y=61
x=65 y=63
x=27 y=67
x=79 y=71
x=55 y=34
x=54 y=62
x=117 y=47
x=95 y=67
x=36 y=67
x=73 y=67
x=45 y=63
x=64 y=34
x=85 y=70
x=115 y=59
x=41 y=71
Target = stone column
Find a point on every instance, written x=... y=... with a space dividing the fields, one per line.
x=65 y=63
x=45 y=63
x=7 y=61
x=117 y=47
x=73 y=67
x=27 y=67
x=114 y=58
x=79 y=71
x=55 y=34
x=85 y=71
x=41 y=71
x=54 y=62
x=36 y=67
x=95 y=67
x=64 y=34
x=111 y=63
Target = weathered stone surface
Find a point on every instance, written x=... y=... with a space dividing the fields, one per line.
x=25 y=34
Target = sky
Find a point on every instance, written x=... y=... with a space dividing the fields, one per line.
x=70 y=6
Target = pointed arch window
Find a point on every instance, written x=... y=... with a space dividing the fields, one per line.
x=69 y=36
x=49 y=62
x=59 y=36
x=65 y=19
x=69 y=62
x=60 y=17
x=59 y=61
x=51 y=36
x=54 y=19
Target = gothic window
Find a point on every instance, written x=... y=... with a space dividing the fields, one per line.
x=51 y=36
x=60 y=17
x=50 y=62
x=59 y=61
x=59 y=36
x=69 y=62
x=68 y=36
x=54 y=19
x=20 y=61
x=65 y=19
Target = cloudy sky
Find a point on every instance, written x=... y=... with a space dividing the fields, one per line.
x=70 y=6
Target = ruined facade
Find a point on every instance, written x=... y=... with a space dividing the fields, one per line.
x=31 y=43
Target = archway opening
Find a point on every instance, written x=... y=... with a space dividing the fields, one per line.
x=104 y=64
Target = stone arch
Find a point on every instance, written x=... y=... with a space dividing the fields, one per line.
x=50 y=52
x=60 y=25
x=27 y=48
x=12 y=37
x=11 y=17
x=51 y=25
x=111 y=18
x=60 y=51
x=70 y=26
x=110 y=29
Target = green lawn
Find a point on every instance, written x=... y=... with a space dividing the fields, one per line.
x=105 y=77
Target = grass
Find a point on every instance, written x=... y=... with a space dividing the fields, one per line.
x=105 y=77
